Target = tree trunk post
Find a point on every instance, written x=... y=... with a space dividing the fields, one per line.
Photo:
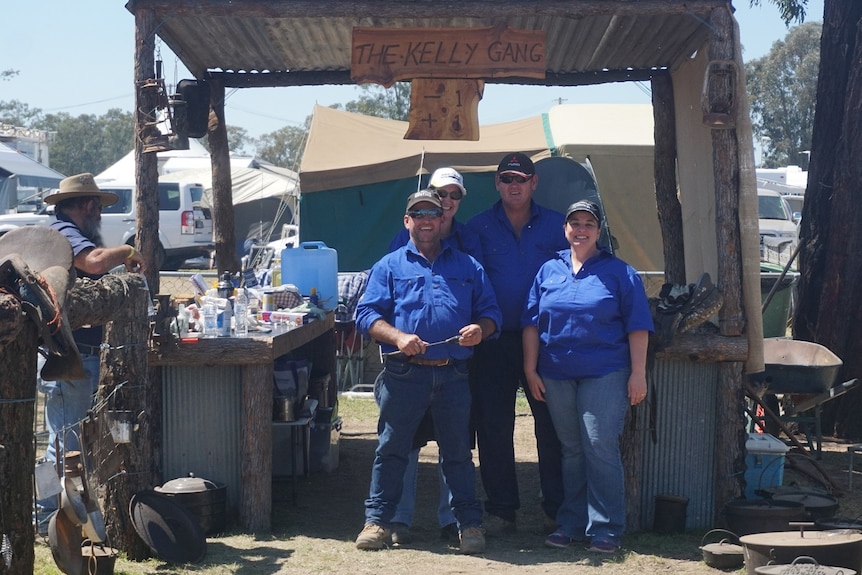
x=223 y=216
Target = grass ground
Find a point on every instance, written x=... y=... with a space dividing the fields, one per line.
x=316 y=534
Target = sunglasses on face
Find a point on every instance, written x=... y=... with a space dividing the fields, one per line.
x=456 y=195
x=508 y=179
x=431 y=213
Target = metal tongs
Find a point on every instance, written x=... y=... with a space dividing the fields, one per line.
x=402 y=355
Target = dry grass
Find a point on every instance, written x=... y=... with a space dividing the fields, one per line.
x=316 y=535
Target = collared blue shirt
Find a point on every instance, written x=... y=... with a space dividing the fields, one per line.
x=433 y=300
x=584 y=319
x=512 y=262
x=63 y=224
x=460 y=238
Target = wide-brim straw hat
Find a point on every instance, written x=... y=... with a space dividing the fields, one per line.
x=78 y=186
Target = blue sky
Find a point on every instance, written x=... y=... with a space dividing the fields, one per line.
x=77 y=57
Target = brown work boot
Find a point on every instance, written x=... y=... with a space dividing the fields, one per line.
x=472 y=540
x=496 y=526
x=373 y=537
x=401 y=534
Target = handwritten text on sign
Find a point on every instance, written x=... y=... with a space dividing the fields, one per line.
x=386 y=55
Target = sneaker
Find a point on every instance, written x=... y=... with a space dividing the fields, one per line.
x=472 y=540
x=373 y=537
x=601 y=546
x=558 y=539
x=495 y=525
x=450 y=533
x=401 y=534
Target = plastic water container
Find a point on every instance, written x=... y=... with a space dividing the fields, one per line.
x=764 y=463
x=312 y=265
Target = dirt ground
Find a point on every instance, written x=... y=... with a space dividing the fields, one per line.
x=316 y=534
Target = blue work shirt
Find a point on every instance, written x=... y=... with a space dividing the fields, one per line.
x=512 y=263
x=460 y=238
x=87 y=335
x=584 y=319
x=432 y=300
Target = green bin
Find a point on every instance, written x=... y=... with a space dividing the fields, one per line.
x=776 y=314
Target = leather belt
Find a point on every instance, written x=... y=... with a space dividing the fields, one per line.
x=88 y=349
x=429 y=362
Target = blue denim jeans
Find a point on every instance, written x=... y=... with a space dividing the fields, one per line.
x=589 y=415
x=406 y=392
x=66 y=404
x=499 y=367
x=407 y=504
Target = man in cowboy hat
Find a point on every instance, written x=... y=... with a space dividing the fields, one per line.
x=78 y=209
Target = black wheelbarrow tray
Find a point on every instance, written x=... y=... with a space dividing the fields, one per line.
x=794 y=366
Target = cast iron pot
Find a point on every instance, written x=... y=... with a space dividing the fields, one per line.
x=802 y=566
x=746 y=516
x=838 y=548
x=817 y=505
x=204 y=499
x=725 y=554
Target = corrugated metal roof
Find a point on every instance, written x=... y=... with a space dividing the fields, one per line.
x=292 y=42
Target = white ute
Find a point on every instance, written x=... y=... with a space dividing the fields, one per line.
x=185 y=228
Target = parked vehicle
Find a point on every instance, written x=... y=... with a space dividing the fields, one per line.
x=185 y=227
x=778 y=229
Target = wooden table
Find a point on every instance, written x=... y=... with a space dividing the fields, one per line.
x=246 y=364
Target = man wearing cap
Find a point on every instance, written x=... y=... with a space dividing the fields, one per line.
x=418 y=297
x=78 y=210
x=517 y=237
x=449 y=185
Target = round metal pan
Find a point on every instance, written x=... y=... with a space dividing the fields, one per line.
x=64 y=538
x=168 y=529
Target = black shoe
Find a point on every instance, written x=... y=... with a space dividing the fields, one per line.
x=450 y=533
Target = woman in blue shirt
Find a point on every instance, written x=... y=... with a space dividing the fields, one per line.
x=585 y=333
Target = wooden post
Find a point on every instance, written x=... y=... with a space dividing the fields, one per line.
x=146 y=165
x=17 y=451
x=224 y=229
x=729 y=405
x=667 y=201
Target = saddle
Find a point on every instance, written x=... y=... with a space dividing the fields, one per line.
x=37 y=266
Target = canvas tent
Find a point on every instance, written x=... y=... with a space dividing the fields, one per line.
x=357 y=171
x=20 y=171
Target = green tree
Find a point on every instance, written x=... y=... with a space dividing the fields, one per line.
x=237 y=140
x=7 y=75
x=88 y=143
x=284 y=147
x=392 y=103
x=782 y=91
x=18 y=113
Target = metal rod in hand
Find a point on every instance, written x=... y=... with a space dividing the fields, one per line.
x=400 y=354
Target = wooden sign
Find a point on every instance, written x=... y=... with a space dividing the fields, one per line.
x=386 y=55
x=444 y=109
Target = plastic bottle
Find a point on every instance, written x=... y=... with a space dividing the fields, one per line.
x=276 y=272
x=240 y=313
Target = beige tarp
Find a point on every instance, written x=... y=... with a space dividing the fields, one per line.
x=617 y=139
x=346 y=149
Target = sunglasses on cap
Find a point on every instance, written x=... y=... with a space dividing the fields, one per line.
x=509 y=178
x=430 y=213
x=456 y=195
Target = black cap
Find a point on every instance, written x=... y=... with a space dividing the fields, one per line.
x=585 y=206
x=516 y=163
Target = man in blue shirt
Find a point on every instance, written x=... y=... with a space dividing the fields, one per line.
x=419 y=295
x=78 y=211
x=517 y=236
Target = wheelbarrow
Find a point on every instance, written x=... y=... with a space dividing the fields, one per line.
x=802 y=368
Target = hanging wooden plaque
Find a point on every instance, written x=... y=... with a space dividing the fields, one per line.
x=386 y=55
x=442 y=109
